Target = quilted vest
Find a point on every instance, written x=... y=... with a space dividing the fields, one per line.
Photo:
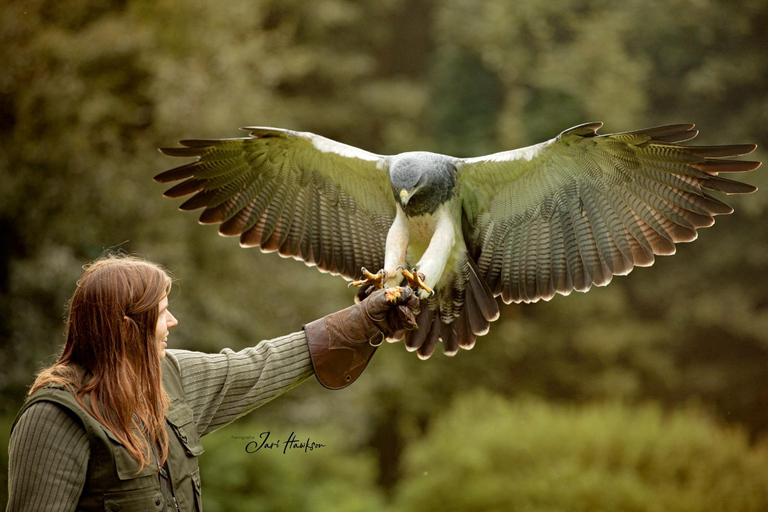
x=114 y=481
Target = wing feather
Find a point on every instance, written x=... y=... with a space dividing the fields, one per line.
x=576 y=210
x=541 y=254
x=295 y=193
x=558 y=261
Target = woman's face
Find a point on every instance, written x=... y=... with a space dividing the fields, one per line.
x=165 y=321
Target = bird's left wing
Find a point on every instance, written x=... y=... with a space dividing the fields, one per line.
x=296 y=193
x=572 y=212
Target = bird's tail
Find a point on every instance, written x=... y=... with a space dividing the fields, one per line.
x=457 y=315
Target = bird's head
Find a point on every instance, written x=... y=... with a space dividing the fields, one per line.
x=421 y=181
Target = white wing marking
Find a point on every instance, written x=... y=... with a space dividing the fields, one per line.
x=527 y=154
x=320 y=143
x=331 y=146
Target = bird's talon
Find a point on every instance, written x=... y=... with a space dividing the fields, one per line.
x=372 y=281
x=416 y=280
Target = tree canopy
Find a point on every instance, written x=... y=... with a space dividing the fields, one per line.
x=90 y=89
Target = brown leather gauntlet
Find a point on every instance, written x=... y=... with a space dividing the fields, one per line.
x=342 y=344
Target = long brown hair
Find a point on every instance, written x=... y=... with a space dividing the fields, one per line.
x=111 y=354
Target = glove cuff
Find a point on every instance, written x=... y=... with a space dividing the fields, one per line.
x=337 y=360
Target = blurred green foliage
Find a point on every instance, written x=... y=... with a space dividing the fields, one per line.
x=90 y=88
x=279 y=476
x=487 y=453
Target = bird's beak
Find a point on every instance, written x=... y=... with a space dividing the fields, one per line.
x=404 y=197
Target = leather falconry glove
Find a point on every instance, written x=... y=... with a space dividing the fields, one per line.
x=342 y=344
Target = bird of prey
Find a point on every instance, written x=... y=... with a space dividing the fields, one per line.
x=524 y=224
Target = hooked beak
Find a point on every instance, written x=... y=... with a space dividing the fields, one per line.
x=404 y=197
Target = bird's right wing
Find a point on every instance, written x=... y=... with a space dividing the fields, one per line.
x=574 y=211
x=296 y=193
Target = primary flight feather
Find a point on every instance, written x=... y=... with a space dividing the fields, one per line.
x=523 y=224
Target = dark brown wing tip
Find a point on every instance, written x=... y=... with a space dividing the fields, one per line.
x=667 y=130
x=199 y=144
x=185 y=188
x=175 y=174
x=183 y=152
x=747 y=148
x=670 y=133
x=717 y=166
x=678 y=137
x=741 y=188
x=199 y=200
x=725 y=151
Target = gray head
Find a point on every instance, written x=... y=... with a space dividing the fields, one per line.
x=421 y=181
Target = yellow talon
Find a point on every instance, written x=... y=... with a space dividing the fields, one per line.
x=416 y=280
x=371 y=280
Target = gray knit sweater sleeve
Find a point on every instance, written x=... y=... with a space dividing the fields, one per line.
x=222 y=387
x=48 y=459
x=49 y=449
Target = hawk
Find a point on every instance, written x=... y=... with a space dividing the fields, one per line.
x=525 y=224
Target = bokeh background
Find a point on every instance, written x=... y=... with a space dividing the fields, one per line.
x=649 y=394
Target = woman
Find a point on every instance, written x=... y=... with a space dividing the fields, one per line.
x=116 y=423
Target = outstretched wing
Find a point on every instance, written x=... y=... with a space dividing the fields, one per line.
x=572 y=212
x=296 y=193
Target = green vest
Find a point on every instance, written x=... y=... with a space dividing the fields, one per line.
x=113 y=481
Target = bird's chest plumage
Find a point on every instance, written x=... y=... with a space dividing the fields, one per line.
x=428 y=228
x=422 y=227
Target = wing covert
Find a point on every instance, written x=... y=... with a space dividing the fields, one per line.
x=298 y=194
x=576 y=210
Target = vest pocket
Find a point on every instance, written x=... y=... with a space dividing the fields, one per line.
x=134 y=501
x=127 y=467
x=181 y=419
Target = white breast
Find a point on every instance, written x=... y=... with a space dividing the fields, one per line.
x=422 y=231
x=422 y=227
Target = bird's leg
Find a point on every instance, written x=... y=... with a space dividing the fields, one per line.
x=415 y=280
x=397 y=243
x=434 y=260
x=372 y=281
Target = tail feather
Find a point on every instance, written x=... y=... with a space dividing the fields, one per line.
x=450 y=338
x=464 y=332
x=461 y=311
x=428 y=347
x=415 y=339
